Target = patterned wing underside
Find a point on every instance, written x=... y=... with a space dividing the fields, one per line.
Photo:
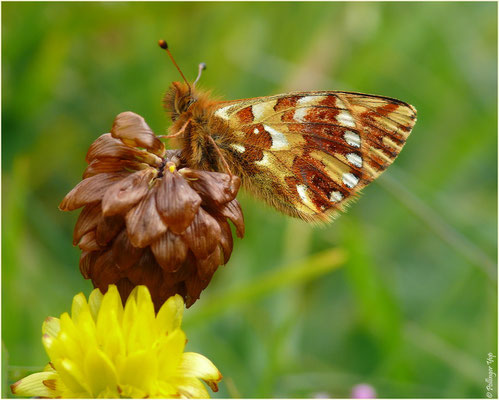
x=317 y=149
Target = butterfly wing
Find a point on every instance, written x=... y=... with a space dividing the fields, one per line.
x=308 y=154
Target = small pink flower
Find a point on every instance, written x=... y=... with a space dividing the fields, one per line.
x=363 y=391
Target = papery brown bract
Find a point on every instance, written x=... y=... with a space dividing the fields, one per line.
x=149 y=220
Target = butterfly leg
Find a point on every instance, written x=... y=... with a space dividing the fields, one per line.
x=176 y=134
x=219 y=153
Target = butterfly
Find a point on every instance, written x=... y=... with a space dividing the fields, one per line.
x=307 y=154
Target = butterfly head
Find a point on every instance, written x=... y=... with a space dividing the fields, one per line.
x=181 y=94
x=179 y=99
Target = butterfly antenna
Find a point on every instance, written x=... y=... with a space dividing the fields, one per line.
x=162 y=43
x=201 y=68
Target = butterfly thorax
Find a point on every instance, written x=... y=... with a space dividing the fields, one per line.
x=192 y=110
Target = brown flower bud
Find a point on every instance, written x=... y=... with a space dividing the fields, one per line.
x=149 y=220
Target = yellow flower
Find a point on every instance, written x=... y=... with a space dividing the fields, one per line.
x=104 y=350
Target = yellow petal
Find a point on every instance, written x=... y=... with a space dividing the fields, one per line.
x=170 y=314
x=76 y=335
x=147 y=315
x=139 y=320
x=52 y=347
x=191 y=388
x=67 y=325
x=111 y=302
x=139 y=370
x=131 y=392
x=166 y=390
x=109 y=333
x=169 y=353
x=79 y=303
x=70 y=347
x=71 y=375
x=48 y=368
x=110 y=336
x=129 y=317
x=198 y=366
x=143 y=298
x=109 y=393
x=105 y=350
x=100 y=372
x=32 y=386
x=87 y=332
x=51 y=326
x=94 y=302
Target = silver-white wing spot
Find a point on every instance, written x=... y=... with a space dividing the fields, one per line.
x=339 y=103
x=306 y=101
x=239 y=147
x=223 y=112
x=335 y=196
x=258 y=110
x=261 y=111
x=302 y=192
x=352 y=138
x=279 y=141
x=354 y=159
x=300 y=114
x=265 y=161
x=345 y=118
x=350 y=180
x=256 y=131
x=310 y=100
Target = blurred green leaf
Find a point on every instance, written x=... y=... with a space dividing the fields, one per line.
x=295 y=274
x=5 y=369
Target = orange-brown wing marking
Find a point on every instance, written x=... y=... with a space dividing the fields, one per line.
x=319 y=148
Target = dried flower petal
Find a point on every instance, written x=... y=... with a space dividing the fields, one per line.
x=150 y=220
x=89 y=190
x=103 y=270
x=146 y=272
x=133 y=131
x=214 y=187
x=88 y=242
x=208 y=265
x=99 y=166
x=177 y=202
x=233 y=211
x=124 y=254
x=124 y=194
x=108 y=228
x=226 y=240
x=144 y=224
x=87 y=221
x=203 y=234
x=106 y=146
x=170 y=251
x=87 y=261
x=195 y=285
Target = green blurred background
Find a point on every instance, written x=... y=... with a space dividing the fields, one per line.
x=400 y=292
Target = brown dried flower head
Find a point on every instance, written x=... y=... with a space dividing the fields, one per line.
x=149 y=220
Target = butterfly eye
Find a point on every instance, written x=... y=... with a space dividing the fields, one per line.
x=184 y=103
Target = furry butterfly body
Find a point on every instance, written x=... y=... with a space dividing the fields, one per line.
x=307 y=153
